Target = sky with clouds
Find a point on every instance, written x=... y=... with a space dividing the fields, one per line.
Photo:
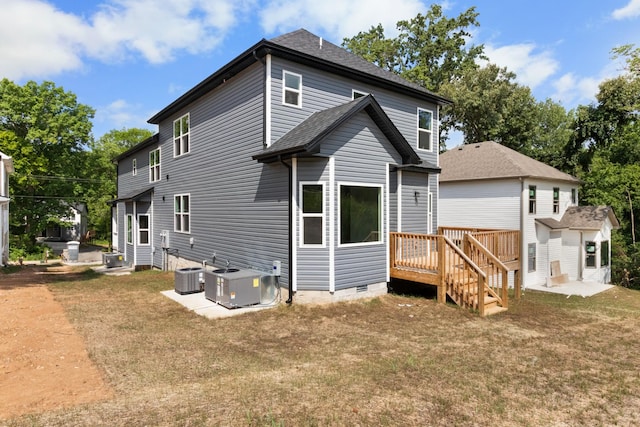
x=130 y=58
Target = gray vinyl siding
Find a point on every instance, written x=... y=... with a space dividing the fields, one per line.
x=322 y=90
x=128 y=247
x=393 y=200
x=239 y=207
x=362 y=154
x=121 y=227
x=313 y=262
x=127 y=182
x=415 y=206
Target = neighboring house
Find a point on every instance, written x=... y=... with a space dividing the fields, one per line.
x=488 y=185
x=297 y=152
x=6 y=168
x=74 y=228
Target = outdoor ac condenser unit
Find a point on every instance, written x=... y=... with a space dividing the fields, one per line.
x=113 y=260
x=189 y=280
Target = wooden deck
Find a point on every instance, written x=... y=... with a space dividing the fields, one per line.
x=471 y=266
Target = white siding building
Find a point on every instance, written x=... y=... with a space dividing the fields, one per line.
x=488 y=185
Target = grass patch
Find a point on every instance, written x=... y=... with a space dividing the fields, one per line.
x=392 y=360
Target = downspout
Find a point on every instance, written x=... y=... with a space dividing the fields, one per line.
x=290 y=225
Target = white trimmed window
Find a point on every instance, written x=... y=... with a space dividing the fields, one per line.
x=312 y=214
x=134 y=167
x=129 y=229
x=360 y=214
x=531 y=257
x=291 y=89
x=143 y=229
x=532 y=199
x=425 y=134
x=154 y=165
x=181 y=136
x=182 y=213
x=556 y=200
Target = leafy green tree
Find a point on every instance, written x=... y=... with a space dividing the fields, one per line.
x=103 y=189
x=46 y=131
x=429 y=50
x=605 y=152
x=488 y=105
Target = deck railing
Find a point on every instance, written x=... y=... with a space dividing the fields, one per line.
x=497 y=274
x=504 y=244
x=416 y=251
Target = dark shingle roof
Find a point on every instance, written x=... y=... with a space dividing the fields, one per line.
x=303 y=47
x=490 y=160
x=305 y=139
x=582 y=218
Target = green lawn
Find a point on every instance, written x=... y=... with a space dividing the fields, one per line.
x=395 y=360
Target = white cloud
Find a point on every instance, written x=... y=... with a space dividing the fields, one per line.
x=532 y=68
x=337 y=18
x=631 y=10
x=119 y=114
x=39 y=40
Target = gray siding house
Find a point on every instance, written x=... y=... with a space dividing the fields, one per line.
x=297 y=151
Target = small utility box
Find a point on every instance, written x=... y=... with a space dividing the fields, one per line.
x=73 y=248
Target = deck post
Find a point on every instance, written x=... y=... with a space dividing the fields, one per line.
x=517 y=285
x=442 y=287
x=505 y=289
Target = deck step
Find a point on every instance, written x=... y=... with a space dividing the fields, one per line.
x=494 y=310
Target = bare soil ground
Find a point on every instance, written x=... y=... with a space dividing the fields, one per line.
x=43 y=361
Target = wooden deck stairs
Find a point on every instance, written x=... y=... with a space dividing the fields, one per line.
x=460 y=264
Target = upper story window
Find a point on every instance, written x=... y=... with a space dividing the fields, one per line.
x=134 y=167
x=556 y=200
x=154 y=165
x=291 y=89
x=355 y=94
x=425 y=123
x=312 y=214
x=182 y=213
x=574 y=197
x=532 y=199
x=181 y=136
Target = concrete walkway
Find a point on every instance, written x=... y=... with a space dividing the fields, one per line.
x=200 y=305
x=583 y=289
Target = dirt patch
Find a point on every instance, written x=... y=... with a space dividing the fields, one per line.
x=43 y=361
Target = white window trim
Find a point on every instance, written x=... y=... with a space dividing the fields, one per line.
x=151 y=167
x=134 y=167
x=313 y=215
x=359 y=92
x=128 y=231
x=285 y=89
x=181 y=214
x=148 y=230
x=339 y=214
x=419 y=129
x=182 y=135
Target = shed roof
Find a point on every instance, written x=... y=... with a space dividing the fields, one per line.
x=305 y=48
x=490 y=160
x=582 y=218
x=133 y=195
x=305 y=139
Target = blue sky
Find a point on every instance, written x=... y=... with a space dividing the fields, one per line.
x=130 y=58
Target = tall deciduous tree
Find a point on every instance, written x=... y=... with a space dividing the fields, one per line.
x=103 y=189
x=46 y=131
x=429 y=50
